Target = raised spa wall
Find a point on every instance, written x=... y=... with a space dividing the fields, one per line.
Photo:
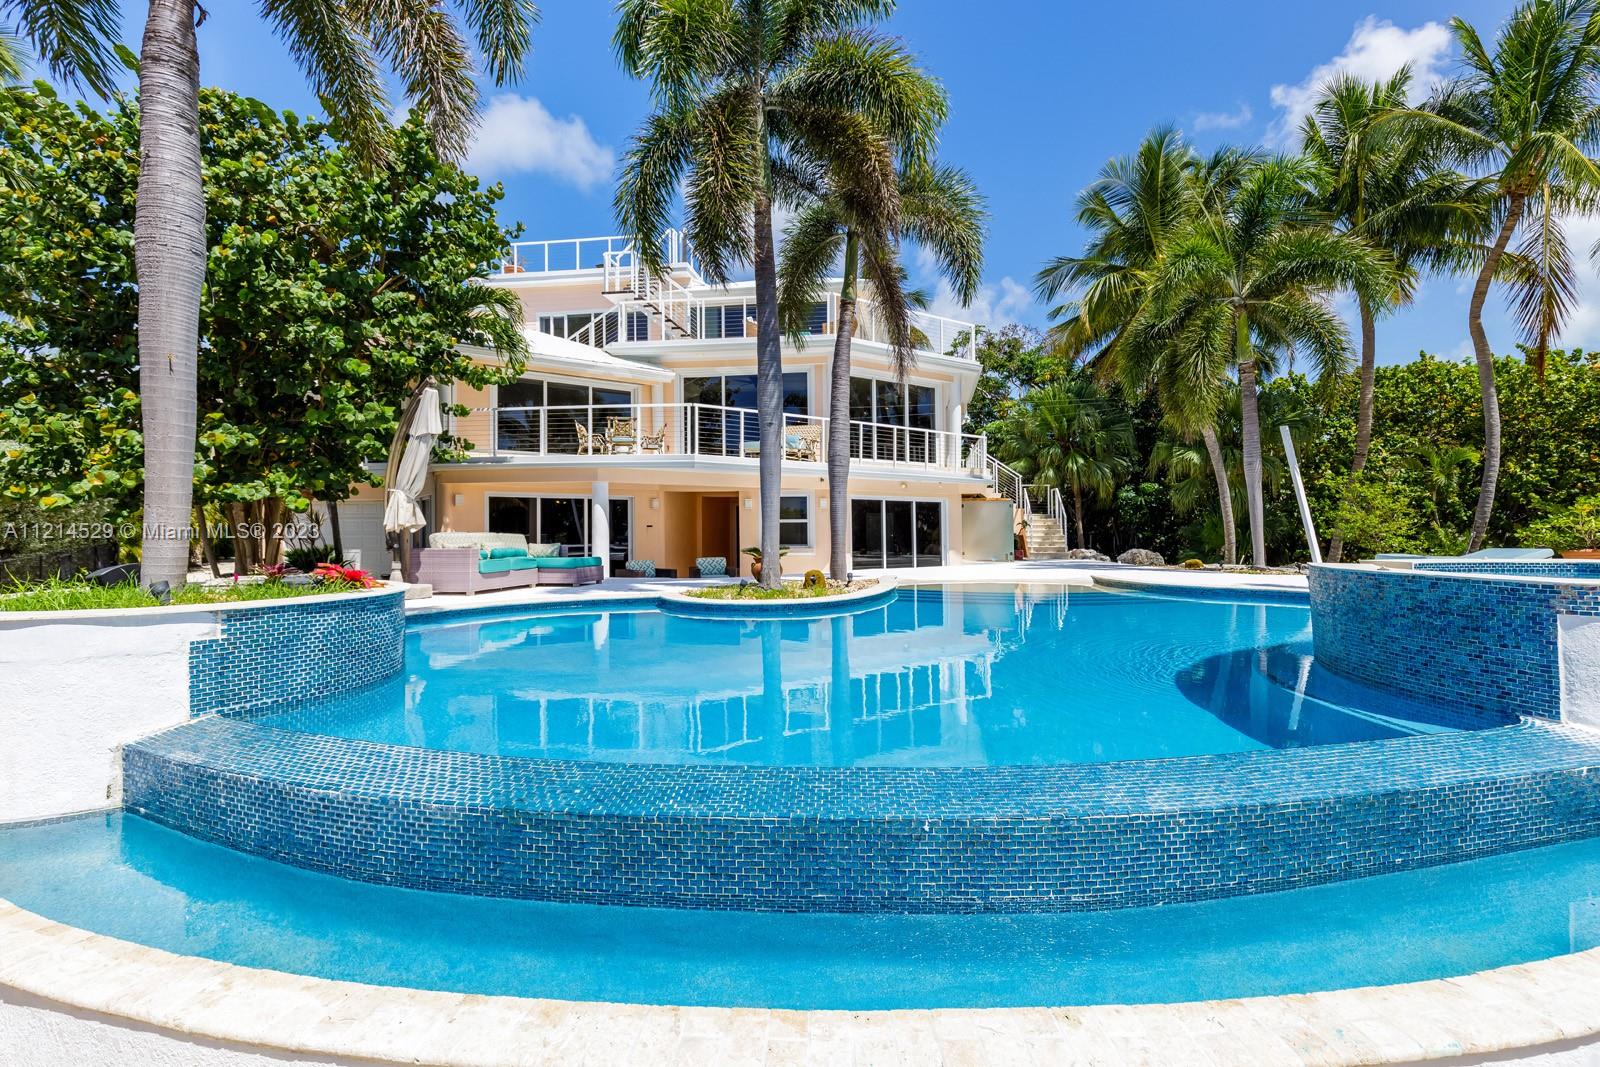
x=1501 y=638
x=76 y=686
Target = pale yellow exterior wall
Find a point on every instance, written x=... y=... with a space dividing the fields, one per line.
x=679 y=510
x=672 y=533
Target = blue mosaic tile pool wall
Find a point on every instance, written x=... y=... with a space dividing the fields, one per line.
x=1488 y=643
x=1549 y=568
x=293 y=650
x=1002 y=839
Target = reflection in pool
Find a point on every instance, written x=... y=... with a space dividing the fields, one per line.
x=941 y=676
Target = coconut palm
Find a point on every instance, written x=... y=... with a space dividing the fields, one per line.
x=1071 y=435
x=1248 y=282
x=1524 y=115
x=1382 y=182
x=758 y=101
x=343 y=46
x=1138 y=205
x=942 y=211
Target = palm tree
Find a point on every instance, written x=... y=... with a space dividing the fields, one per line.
x=1440 y=468
x=342 y=45
x=1138 y=205
x=1382 y=182
x=1248 y=281
x=1525 y=116
x=756 y=100
x=1073 y=436
x=941 y=210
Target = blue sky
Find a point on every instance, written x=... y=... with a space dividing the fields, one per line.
x=1042 y=94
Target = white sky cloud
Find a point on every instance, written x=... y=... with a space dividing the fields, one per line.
x=1222 y=120
x=1583 y=325
x=1376 y=49
x=995 y=305
x=518 y=135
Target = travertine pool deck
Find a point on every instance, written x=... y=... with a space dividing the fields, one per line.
x=48 y=970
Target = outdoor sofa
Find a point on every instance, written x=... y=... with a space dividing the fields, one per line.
x=479 y=562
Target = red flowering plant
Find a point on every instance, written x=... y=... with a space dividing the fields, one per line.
x=340 y=578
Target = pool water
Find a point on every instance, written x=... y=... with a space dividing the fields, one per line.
x=941 y=676
x=122 y=876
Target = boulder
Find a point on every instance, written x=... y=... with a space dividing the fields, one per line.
x=1142 y=557
x=1088 y=553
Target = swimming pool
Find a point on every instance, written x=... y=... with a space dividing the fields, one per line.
x=122 y=876
x=939 y=677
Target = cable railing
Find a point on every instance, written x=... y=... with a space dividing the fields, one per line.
x=572 y=255
x=647 y=431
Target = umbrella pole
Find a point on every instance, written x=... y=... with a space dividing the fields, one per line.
x=400 y=566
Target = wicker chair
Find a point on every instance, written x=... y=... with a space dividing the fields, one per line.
x=589 y=443
x=621 y=435
x=803 y=442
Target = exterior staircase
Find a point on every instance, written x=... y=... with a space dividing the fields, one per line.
x=1045 y=538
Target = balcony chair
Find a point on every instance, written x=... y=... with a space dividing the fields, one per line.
x=803 y=442
x=621 y=435
x=654 y=442
x=589 y=443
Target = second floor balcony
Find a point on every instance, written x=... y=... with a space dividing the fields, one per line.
x=656 y=433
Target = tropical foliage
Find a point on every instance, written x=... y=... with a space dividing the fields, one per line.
x=1207 y=275
x=331 y=289
x=764 y=102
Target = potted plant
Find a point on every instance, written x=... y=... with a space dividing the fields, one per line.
x=1573 y=532
x=1019 y=540
x=755 y=560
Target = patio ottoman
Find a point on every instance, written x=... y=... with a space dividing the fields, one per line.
x=569 y=570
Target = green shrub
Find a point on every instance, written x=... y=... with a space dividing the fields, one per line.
x=1566 y=530
x=1376 y=515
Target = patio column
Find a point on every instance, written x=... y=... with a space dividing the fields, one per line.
x=600 y=524
x=955 y=415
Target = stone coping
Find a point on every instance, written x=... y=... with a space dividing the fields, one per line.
x=1164 y=586
x=881 y=592
x=164 y=613
x=1524 y=1007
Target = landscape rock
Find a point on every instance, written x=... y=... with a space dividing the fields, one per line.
x=1142 y=557
x=1088 y=553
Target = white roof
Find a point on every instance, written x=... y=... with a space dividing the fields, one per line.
x=549 y=350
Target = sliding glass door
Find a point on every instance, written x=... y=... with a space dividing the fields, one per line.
x=896 y=533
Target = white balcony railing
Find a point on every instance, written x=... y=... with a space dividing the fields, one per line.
x=574 y=254
x=646 y=432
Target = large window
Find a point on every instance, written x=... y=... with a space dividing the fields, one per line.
x=794 y=521
x=562 y=520
x=738 y=319
x=896 y=533
x=896 y=421
x=729 y=433
x=576 y=325
x=543 y=416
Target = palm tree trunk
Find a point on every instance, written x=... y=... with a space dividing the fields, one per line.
x=839 y=416
x=1077 y=509
x=769 y=389
x=1485 y=358
x=1251 y=419
x=1219 y=470
x=170 y=260
x=1369 y=358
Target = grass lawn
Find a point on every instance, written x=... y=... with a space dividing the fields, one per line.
x=68 y=595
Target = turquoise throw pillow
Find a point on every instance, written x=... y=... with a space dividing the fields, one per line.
x=507 y=552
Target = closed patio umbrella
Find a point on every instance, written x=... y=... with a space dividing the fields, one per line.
x=419 y=430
